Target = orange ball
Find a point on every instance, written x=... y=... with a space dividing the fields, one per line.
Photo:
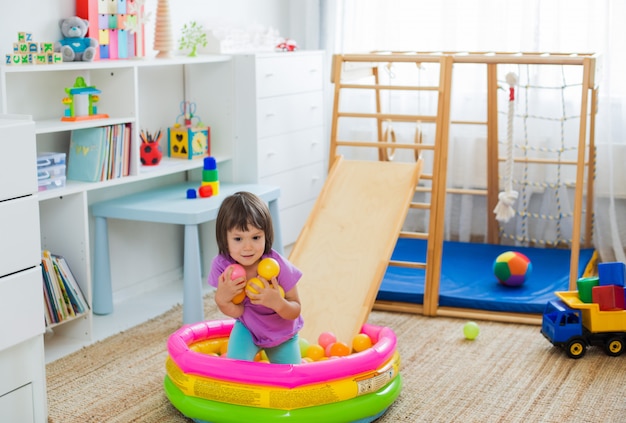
x=337 y=349
x=237 y=299
x=268 y=268
x=361 y=342
x=315 y=352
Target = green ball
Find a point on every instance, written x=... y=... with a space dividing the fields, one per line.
x=304 y=345
x=471 y=330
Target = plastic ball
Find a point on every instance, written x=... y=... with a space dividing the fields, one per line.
x=268 y=268
x=224 y=348
x=512 y=268
x=304 y=346
x=471 y=330
x=255 y=285
x=326 y=338
x=337 y=349
x=238 y=272
x=315 y=352
x=361 y=342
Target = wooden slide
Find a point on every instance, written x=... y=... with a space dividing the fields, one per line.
x=347 y=241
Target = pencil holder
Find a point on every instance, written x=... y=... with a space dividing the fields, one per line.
x=150 y=153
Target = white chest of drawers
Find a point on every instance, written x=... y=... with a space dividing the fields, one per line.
x=22 y=385
x=279 y=129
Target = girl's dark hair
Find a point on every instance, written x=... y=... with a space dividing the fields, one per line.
x=238 y=211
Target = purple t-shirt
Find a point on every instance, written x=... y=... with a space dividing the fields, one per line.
x=268 y=329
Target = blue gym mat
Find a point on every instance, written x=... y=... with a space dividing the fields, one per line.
x=467 y=279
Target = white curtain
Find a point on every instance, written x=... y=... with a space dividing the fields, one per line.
x=565 y=26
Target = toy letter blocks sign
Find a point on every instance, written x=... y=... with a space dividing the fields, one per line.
x=115 y=24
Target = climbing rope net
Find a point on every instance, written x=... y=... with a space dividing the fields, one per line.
x=541 y=127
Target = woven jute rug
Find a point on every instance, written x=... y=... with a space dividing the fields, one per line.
x=510 y=373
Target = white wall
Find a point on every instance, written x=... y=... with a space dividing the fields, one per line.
x=297 y=19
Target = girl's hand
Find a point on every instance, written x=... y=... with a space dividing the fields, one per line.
x=227 y=289
x=269 y=295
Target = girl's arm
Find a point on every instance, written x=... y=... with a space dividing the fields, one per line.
x=227 y=289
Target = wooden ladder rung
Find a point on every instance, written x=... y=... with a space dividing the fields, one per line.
x=389 y=116
x=407 y=264
x=413 y=235
x=420 y=206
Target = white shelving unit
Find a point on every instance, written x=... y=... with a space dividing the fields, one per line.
x=23 y=381
x=280 y=129
x=146 y=94
x=266 y=118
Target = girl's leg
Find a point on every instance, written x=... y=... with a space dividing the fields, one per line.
x=240 y=344
x=286 y=353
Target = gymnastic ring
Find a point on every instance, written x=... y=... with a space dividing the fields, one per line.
x=364 y=408
x=388 y=154
x=418 y=139
x=266 y=396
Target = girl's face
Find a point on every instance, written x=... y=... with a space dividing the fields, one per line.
x=246 y=247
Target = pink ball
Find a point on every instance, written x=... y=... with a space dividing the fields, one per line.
x=326 y=338
x=238 y=272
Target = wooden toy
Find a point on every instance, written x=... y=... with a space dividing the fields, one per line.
x=116 y=24
x=28 y=52
x=189 y=139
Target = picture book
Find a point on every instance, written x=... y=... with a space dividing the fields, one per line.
x=87 y=154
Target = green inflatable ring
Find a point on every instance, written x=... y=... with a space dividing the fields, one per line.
x=364 y=408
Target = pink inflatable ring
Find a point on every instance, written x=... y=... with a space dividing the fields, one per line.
x=209 y=388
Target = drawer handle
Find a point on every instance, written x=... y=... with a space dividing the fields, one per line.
x=270 y=114
x=271 y=153
x=269 y=75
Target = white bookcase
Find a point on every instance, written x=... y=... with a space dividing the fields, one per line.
x=23 y=381
x=145 y=93
x=266 y=118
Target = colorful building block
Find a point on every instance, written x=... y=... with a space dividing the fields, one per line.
x=609 y=297
x=585 y=287
x=612 y=273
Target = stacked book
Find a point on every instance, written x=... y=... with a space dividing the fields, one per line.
x=99 y=154
x=63 y=297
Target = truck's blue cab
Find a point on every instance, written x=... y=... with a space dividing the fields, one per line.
x=560 y=322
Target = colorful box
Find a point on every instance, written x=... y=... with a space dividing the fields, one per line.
x=188 y=142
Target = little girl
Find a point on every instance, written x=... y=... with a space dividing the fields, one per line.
x=266 y=320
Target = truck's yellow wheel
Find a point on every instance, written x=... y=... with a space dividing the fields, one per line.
x=576 y=348
x=614 y=347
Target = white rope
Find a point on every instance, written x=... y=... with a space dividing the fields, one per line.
x=504 y=209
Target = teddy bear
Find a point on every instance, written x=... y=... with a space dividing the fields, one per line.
x=76 y=46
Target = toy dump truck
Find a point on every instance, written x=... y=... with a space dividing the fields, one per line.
x=574 y=325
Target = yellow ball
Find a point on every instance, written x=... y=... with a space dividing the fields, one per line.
x=361 y=342
x=255 y=285
x=268 y=268
x=315 y=352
